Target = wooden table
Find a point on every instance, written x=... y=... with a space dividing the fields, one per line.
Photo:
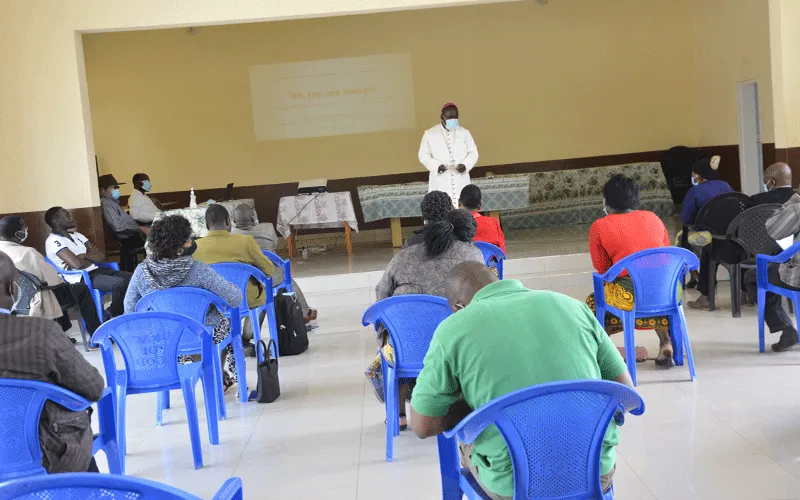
x=316 y=211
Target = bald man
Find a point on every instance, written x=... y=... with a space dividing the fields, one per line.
x=503 y=337
x=777 y=184
x=36 y=349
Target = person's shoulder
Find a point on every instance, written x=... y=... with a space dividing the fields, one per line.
x=34 y=325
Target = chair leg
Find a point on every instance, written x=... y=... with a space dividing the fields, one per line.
x=712 y=284
x=392 y=417
x=795 y=298
x=161 y=404
x=686 y=344
x=629 y=329
x=108 y=434
x=241 y=371
x=214 y=387
x=210 y=393
x=97 y=295
x=255 y=324
x=762 y=298
x=187 y=386
x=449 y=465
x=82 y=328
x=736 y=290
x=122 y=444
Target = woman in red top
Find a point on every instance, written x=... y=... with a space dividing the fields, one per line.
x=622 y=232
x=488 y=227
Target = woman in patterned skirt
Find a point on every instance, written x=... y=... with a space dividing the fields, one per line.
x=622 y=232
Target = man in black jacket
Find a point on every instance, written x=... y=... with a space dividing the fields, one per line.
x=778 y=182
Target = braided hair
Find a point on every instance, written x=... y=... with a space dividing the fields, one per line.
x=457 y=225
x=435 y=206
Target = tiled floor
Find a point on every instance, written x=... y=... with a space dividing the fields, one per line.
x=732 y=434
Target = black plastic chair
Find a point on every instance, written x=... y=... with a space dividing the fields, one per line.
x=748 y=230
x=716 y=217
x=30 y=285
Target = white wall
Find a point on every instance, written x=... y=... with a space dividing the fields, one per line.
x=45 y=129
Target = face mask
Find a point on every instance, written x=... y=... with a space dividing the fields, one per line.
x=605 y=209
x=115 y=194
x=766 y=189
x=22 y=235
x=189 y=251
x=17 y=298
x=147 y=186
x=694 y=181
x=451 y=124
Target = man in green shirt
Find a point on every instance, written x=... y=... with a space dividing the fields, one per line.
x=503 y=337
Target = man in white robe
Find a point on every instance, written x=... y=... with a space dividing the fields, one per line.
x=449 y=153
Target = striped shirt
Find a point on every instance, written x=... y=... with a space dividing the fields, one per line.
x=785 y=223
x=37 y=349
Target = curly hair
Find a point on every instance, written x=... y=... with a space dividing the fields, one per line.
x=457 y=225
x=168 y=235
x=435 y=206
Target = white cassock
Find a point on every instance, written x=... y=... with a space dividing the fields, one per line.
x=450 y=148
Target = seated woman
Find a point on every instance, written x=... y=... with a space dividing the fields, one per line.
x=169 y=264
x=434 y=206
x=622 y=232
x=422 y=269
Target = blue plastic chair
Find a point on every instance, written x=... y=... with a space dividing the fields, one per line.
x=764 y=286
x=97 y=295
x=493 y=256
x=195 y=303
x=410 y=321
x=149 y=343
x=21 y=404
x=240 y=274
x=82 y=486
x=656 y=273
x=554 y=433
x=287 y=271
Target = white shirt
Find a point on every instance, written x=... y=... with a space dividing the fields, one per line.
x=55 y=243
x=450 y=148
x=142 y=207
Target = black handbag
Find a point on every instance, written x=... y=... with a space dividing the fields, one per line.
x=269 y=387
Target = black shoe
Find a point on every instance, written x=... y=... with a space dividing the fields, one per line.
x=249 y=351
x=788 y=339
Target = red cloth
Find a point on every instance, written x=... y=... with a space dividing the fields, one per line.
x=616 y=236
x=489 y=231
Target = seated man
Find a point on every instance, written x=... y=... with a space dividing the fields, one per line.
x=244 y=222
x=777 y=184
x=143 y=208
x=126 y=231
x=36 y=349
x=222 y=246
x=13 y=233
x=70 y=250
x=489 y=229
x=785 y=223
x=503 y=337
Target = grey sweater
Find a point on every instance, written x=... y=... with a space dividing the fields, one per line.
x=412 y=271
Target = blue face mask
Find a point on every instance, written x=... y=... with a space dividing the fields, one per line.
x=147 y=186
x=451 y=124
x=694 y=182
x=115 y=194
x=605 y=208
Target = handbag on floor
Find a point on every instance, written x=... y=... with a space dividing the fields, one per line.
x=269 y=386
x=291 y=323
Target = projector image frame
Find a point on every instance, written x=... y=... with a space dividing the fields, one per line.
x=312 y=186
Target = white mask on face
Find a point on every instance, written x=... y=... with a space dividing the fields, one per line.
x=17 y=298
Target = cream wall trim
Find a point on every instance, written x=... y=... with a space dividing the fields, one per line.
x=44 y=127
x=785 y=43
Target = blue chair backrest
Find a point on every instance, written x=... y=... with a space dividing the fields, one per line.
x=656 y=274
x=240 y=274
x=82 y=486
x=192 y=302
x=149 y=344
x=490 y=252
x=554 y=433
x=21 y=403
x=410 y=321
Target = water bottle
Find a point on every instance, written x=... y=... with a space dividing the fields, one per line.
x=192 y=199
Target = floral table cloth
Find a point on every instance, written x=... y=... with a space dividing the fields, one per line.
x=197 y=216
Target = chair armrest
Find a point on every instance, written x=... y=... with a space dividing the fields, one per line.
x=108 y=265
x=781 y=257
x=230 y=490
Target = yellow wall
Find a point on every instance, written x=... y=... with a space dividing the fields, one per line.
x=785 y=37
x=45 y=131
x=575 y=78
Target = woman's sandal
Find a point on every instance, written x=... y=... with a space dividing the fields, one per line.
x=227 y=382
